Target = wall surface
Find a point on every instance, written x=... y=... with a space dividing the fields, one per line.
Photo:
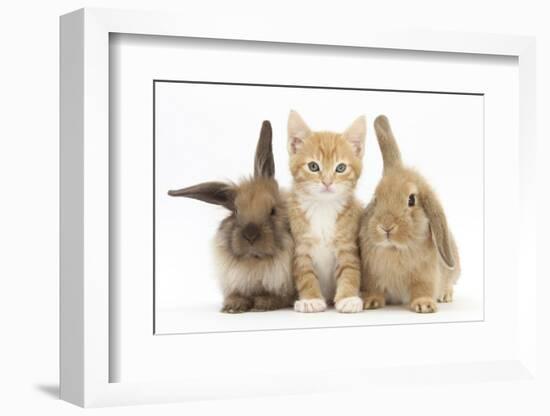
x=29 y=183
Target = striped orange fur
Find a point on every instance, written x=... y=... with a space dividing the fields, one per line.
x=324 y=215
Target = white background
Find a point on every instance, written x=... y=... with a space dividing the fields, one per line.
x=29 y=212
x=209 y=132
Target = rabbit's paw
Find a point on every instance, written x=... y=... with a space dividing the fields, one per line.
x=351 y=304
x=310 y=305
x=236 y=304
x=424 y=304
x=266 y=303
x=446 y=297
x=374 y=302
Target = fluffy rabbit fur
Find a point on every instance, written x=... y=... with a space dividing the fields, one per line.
x=253 y=246
x=408 y=253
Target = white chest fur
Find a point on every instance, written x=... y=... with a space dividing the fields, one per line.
x=322 y=215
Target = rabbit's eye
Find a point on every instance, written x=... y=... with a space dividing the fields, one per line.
x=313 y=166
x=273 y=211
x=412 y=200
x=341 y=167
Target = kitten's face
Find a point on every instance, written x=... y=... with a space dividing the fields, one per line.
x=324 y=164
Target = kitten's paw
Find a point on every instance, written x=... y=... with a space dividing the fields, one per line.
x=310 y=305
x=424 y=304
x=373 y=302
x=446 y=297
x=351 y=304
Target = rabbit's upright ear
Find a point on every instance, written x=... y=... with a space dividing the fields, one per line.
x=438 y=226
x=387 y=143
x=217 y=193
x=264 y=165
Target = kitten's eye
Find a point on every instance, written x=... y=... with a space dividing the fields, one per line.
x=273 y=211
x=313 y=166
x=341 y=167
x=412 y=200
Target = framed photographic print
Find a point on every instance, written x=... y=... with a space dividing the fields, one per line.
x=166 y=298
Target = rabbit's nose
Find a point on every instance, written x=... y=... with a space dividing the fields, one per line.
x=251 y=232
x=387 y=228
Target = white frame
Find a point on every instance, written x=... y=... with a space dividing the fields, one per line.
x=84 y=280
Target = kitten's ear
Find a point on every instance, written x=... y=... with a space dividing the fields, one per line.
x=355 y=135
x=298 y=131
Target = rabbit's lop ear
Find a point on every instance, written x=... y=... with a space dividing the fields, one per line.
x=439 y=227
x=264 y=165
x=387 y=143
x=298 y=132
x=217 y=193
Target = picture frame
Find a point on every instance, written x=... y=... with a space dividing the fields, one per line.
x=86 y=304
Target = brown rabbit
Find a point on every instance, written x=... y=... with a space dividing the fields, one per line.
x=253 y=245
x=408 y=252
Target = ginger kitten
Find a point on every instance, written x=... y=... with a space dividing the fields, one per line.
x=324 y=214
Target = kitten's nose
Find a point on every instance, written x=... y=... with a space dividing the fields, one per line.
x=251 y=232
x=327 y=183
